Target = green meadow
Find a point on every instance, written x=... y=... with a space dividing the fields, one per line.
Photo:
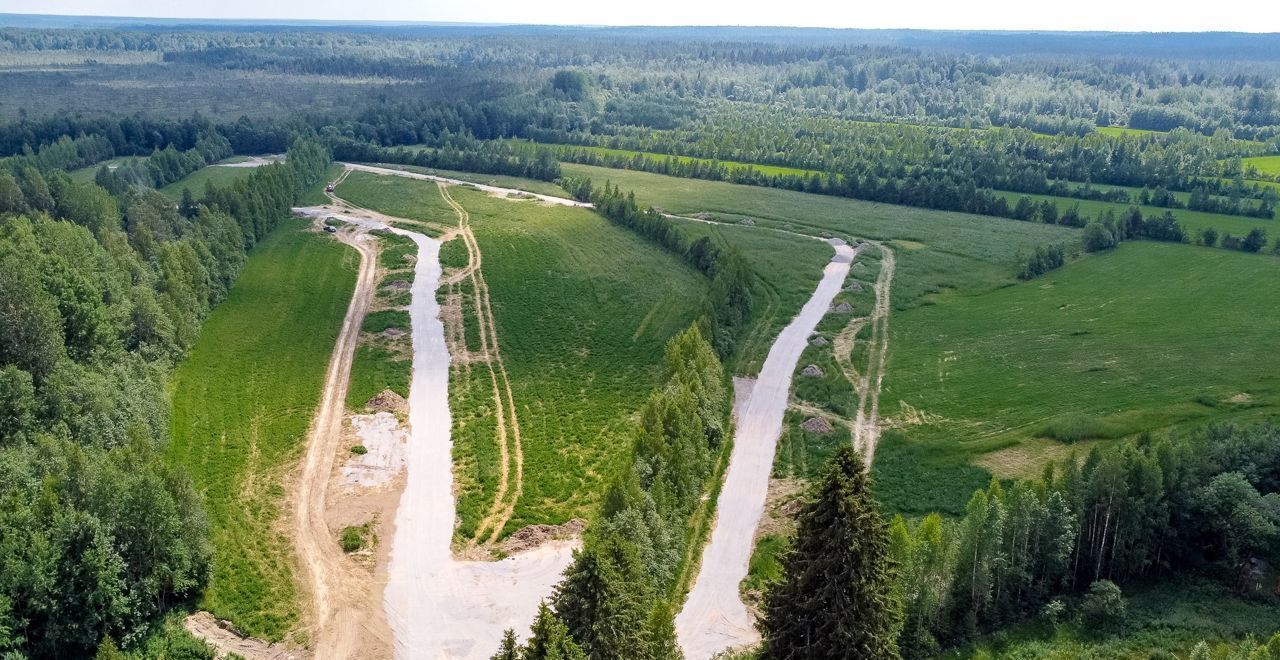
x=1192 y=221
x=1140 y=338
x=767 y=170
x=1268 y=166
x=243 y=400
x=216 y=174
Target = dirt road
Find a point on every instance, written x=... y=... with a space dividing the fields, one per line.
x=339 y=594
x=714 y=617
x=866 y=426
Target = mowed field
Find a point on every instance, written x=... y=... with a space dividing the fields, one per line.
x=243 y=400
x=1267 y=166
x=1140 y=338
x=767 y=170
x=582 y=309
x=216 y=174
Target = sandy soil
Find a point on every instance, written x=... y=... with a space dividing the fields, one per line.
x=339 y=588
x=714 y=618
x=219 y=635
x=255 y=161
x=467 y=604
x=494 y=190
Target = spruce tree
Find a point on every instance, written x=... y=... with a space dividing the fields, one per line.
x=836 y=596
x=550 y=639
x=510 y=649
x=604 y=600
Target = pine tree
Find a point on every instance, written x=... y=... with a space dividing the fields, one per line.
x=836 y=596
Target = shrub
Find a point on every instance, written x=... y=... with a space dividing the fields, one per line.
x=352 y=539
x=1104 y=606
x=359 y=450
x=1075 y=427
x=1209 y=237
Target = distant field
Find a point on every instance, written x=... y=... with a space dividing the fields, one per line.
x=1192 y=221
x=1145 y=337
x=218 y=176
x=1268 y=166
x=397 y=196
x=1118 y=131
x=242 y=402
x=767 y=170
x=502 y=181
x=939 y=250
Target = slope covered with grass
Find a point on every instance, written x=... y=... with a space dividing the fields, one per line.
x=242 y=403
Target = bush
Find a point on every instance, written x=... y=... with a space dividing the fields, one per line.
x=1104 y=606
x=359 y=450
x=1075 y=427
x=352 y=539
x=1209 y=237
x=1097 y=237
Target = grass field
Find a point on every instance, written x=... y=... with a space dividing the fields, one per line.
x=583 y=308
x=1144 y=337
x=787 y=269
x=937 y=250
x=215 y=174
x=384 y=361
x=1267 y=166
x=1192 y=221
x=242 y=402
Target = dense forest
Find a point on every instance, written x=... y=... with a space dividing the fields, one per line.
x=104 y=288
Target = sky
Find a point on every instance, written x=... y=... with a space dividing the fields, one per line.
x=1121 y=15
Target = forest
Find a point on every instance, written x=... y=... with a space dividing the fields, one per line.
x=105 y=284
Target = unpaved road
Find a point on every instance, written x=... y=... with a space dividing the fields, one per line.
x=493 y=190
x=866 y=427
x=714 y=617
x=339 y=593
x=435 y=606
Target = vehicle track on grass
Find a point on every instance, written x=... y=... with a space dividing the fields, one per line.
x=867 y=423
x=512 y=452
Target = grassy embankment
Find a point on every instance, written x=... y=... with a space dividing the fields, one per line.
x=242 y=403
x=582 y=309
x=1267 y=166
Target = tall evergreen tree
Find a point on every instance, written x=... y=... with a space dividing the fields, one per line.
x=836 y=596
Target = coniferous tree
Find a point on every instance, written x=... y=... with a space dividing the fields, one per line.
x=550 y=639
x=836 y=596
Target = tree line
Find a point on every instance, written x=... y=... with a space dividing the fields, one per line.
x=103 y=292
x=617 y=599
x=1206 y=501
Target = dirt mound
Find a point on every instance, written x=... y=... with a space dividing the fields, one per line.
x=854 y=286
x=396 y=286
x=819 y=341
x=387 y=401
x=843 y=308
x=813 y=371
x=816 y=425
x=749 y=222
x=535 y=535
x=227 y=639
x=392 y=333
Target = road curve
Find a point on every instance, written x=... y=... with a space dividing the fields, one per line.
x=714 y=617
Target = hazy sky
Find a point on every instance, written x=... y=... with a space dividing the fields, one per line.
x=1145 y=15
